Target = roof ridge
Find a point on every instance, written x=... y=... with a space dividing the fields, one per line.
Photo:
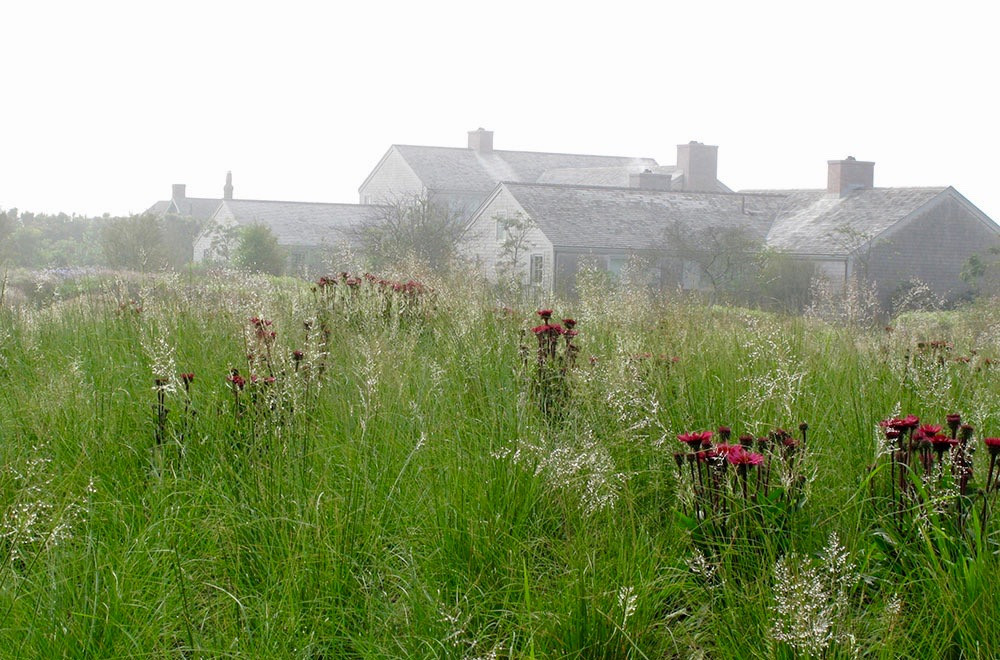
x=281 y=201
x=522 y=151
x=580 y=186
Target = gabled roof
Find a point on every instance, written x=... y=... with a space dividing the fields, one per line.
x=604 y=218
x=300 y=223
x=458 y=169
x=195 y=207
x=814 y=222
x=803 y=222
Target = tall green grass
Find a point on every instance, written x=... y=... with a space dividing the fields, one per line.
x=399 y=493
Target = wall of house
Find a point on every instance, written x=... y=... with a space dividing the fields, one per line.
x=211 y=236
x=570 y=261
x=392 y=180
x=485 y=248
x=932 y=247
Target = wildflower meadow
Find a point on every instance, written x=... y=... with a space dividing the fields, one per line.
x=370 y=466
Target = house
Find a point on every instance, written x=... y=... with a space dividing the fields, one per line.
x=461 y=178
x=891 y=235
x=198 y=208
x=314 y=235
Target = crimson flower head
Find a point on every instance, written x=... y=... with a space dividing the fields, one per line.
x=236 y=379
x=942 y=443
x=724 y=449
x=953 y=420
x=904 y=424
x=548 y=329
x=545 y=314
x=929 y=430
x=569 y=323
x=741 y=456
x=298 y=355
x=695 y=439
x=965 y=432
x=187 y=378
x=725 y=432
x=993 y=445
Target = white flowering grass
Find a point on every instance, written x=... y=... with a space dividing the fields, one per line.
x=376 y=505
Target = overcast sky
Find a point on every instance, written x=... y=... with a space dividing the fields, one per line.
x=106 y=104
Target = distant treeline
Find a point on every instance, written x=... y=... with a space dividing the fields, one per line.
x=138 y=242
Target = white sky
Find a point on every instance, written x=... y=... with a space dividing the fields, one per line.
x=105 y=104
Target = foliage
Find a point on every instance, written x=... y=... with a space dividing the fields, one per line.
x=982 y=273
x=257 y=250
x=553 y=363
x=135 y=243
x=395 y=491
x=724 y=257
x=411 y=227
x=516 y=231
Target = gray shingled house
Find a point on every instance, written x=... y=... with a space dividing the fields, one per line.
x=462 y=178
x=316 y=236
x=891 y=235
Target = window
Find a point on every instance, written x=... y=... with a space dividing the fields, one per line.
x=616 y=264
x=501 y=230
x=536 y=269
x=691 y=275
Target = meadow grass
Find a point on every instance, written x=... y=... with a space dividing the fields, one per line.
x=396 y=491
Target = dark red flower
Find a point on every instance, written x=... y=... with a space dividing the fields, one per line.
x=298 y=355
x=237 y=380
x=548 y=329
x=724 y=449
x=695 y=439
x=993 y=445
x=569 y=323
x=941 y=443
x=546 y=314
x=187 y=378
x=741 y=456
x=906 y=423
x=929 y=430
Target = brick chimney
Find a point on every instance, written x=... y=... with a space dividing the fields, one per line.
x=177 y=191
x=481 y=140
x=700 y=164
x=844 y=176
x=227 y=190
x=649 y=180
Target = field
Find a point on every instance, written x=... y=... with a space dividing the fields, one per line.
x=404 y=470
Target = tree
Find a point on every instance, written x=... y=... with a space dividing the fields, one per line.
x=135 y=243
x=257 y=250
x=515 y=230
x=412 y=227
x=7 y=220
x=982 y=273
x=179 y=233
x=724 y=256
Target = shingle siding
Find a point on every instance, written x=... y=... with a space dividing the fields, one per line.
x=931 y=246
x=391 y=180
x=483 y=246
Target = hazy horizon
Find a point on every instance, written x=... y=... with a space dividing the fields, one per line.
x=110 y=103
